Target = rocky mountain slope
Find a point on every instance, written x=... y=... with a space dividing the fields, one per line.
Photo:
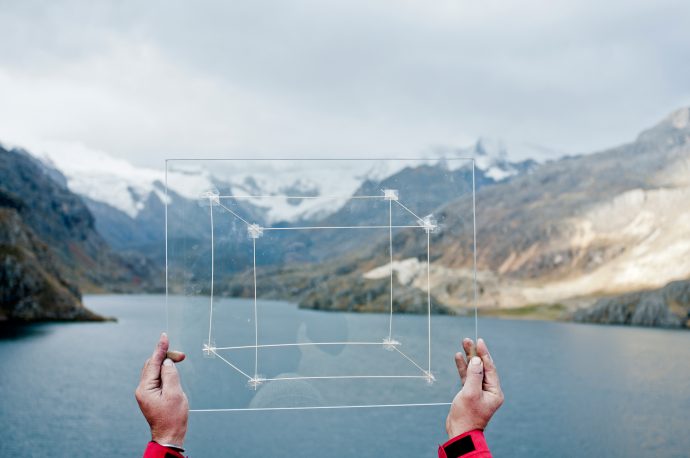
x=581 y=227
x=329 y=269
x=561 y=236
x=50 y=249
x=127 y=201
x=666 y=307
x=33 y=287
x=575 y=233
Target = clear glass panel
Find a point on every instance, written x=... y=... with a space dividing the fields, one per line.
x=304 y=283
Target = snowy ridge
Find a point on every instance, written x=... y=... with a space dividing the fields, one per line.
x=491 y=156
x=104 y=178
x=116 y=182
x=273 y=196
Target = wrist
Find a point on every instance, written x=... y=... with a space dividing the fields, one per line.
x=175 y=440
x=456 y=428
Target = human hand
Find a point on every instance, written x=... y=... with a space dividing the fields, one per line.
x=160 y=395
x=480 y=396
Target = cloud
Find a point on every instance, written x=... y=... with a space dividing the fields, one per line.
x=149 y=80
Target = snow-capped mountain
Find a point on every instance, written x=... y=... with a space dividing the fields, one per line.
x=113 y=181
x=491 y=156
x=128 y=201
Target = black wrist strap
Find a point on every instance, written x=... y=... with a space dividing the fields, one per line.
x=460 y=447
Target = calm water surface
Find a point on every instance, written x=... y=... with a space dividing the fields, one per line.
x=571 y=391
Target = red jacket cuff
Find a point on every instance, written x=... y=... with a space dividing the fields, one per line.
x=156 y=450
x=467 y=445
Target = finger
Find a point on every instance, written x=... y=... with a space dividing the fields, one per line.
x=169 y=377
x=176 y=356
x=491 y=381
x=475 y=376
x=461 y=364
x=161 y=349
x=151 y=374
x=468 y=346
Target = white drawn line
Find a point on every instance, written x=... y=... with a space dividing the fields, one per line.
x=421 y=220
x=235 y=214
x=411 y=360
x=330 y=377
x=428 y=290
x=232 y=365
x=304 y=344
x=474 y=253
x=210 y=314
x=256 y=322
x=298 y=228
x=368 y=406
x=298 y=197
x=390 y=252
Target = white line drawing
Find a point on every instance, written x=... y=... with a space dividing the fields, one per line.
x=255 y=231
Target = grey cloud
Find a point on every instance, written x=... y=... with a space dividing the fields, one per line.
x=354 y=77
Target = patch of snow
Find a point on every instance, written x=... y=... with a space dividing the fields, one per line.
x=114 y=181
x=101 y=177
x=315 y=193
x=498 y=174
x=406 y=270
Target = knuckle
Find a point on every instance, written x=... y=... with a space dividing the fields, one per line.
x=500 y=399
x=469 y=395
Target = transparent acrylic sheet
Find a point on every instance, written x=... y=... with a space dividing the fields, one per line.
x=268 y=311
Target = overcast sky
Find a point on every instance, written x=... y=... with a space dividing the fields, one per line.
x=148 y=80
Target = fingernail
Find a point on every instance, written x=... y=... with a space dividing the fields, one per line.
x=164 y=334
x=475 y=361
x=167 y=362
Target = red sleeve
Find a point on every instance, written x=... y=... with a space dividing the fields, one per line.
x=155 y=450
x=467 y=445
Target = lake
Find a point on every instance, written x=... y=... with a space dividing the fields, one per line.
x=571 y=390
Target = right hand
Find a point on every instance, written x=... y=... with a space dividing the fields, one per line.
x=160 y=395
x=481 y=393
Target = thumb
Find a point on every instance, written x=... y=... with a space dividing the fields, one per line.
x=475 y=377
x=170 y=378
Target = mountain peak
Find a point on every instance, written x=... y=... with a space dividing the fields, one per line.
x=680 y=119
x=490 y=147
x=673 y=129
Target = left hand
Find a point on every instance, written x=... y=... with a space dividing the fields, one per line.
x=160 y=395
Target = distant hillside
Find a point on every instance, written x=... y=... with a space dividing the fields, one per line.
x=127 y=201
x=554 y=237
x=33 y=288
x=582 y=227
x=666 y=307
x=50 y=249
x=572 y=231
x=326 y=270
